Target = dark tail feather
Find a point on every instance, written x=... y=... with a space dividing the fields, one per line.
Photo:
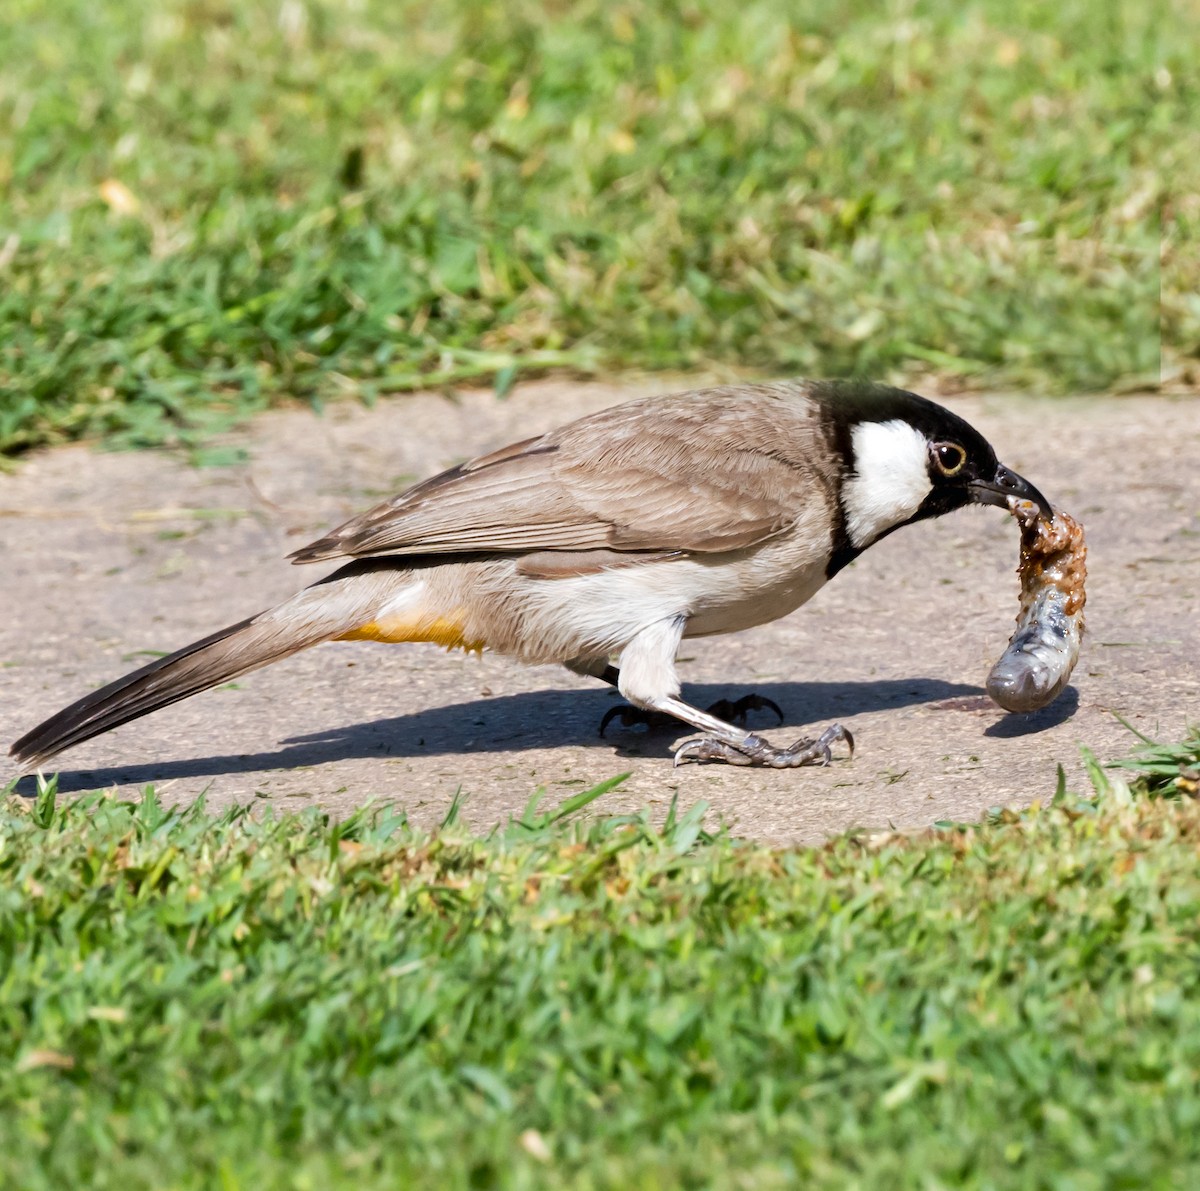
x=316 y=614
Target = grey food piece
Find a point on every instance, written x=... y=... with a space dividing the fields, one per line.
x=1035 y=668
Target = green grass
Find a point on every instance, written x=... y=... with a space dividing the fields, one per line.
x=207 y=206
x=260 y=1000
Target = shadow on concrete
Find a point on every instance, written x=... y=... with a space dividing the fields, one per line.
x=1029 y=724
x=531 y=720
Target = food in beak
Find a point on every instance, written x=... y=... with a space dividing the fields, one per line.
x=1036 y=666
x=1007 y=487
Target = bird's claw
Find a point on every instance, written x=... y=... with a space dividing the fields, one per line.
x=754 y=750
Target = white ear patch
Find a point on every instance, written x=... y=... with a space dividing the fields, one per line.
x=890 y=478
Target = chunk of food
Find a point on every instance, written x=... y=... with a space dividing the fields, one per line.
x=1035 y=668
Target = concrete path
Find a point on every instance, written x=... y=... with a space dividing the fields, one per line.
x=109 y=555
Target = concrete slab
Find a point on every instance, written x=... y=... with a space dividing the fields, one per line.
x=106 y=555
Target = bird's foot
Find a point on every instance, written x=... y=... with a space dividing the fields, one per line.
x=754 y=750
x=724 y=709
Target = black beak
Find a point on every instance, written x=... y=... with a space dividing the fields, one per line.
x=1007 y=484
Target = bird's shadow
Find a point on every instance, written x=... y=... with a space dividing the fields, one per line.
x=539 y=720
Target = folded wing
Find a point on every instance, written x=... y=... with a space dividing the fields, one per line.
x=710 y=471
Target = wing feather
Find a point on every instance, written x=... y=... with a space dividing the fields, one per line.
x=708 y=471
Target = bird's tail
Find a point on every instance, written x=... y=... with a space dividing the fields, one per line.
x=329 y=609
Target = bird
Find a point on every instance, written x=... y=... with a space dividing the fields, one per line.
x=605 y=543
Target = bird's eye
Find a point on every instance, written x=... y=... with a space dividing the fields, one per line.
x=949 y=457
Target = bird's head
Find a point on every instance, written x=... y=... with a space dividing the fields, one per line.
x=907 y=459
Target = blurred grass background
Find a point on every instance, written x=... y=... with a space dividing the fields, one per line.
x=208 y=206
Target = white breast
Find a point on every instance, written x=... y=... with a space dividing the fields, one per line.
x=721 y=593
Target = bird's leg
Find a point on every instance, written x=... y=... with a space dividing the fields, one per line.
x=627 y=713
x=648 y=680
x=630 y=714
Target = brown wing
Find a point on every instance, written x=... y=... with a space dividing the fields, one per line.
x=706 y=471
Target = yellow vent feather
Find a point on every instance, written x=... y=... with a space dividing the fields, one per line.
x=443 y=630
